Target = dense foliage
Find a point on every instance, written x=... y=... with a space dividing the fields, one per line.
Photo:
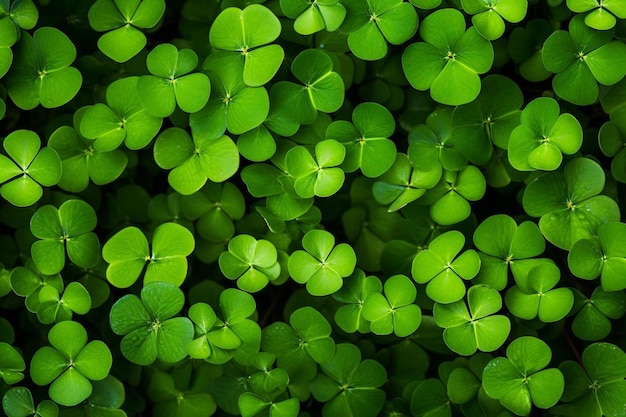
x=293 y=208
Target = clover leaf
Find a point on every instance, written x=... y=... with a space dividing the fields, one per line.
x=122 y=119
x=66 y=229
x=592 y=314
x=8 y=36
x=70 y=364
x=171 y=84
x=195 y=159
x=321 y=265
x=449 y=59
x=27 y=168
x=395 y=311
x=568 y=203
x=55 y=307
x=252 y=405
x=148 y=324
x=581 y=58
x=18 y=402
x=314 y=17
x=488 y=119
x=127 y=253
x=122 y=22
x=253 y=263
x=477 y=328
x=357 y=287
x=41 y=72
x=348 y=385
x=372 y=24
x=612 y=140
x=536 y=296
x=603 y=256
x=598 y=387
x=443 y=269
x=488 y=17
x=319 y=175
x=321 y=89
x=366 y=139
x=12 y=364
x=543 y=136
x=106 y=399
x=602 y=15
x=27 y=281
x=81 y=162
x=246 y=33
x=520 y=380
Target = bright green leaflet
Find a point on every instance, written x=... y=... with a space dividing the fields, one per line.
x=311 y=18
x=253 y=263
x=366 y=139
x=476 y=328
x=362 y=397
x=598 y=389
x=82 y=163
x=443 y=267
x=537 y=297
x=27 y=168
x=489 y=24
x=171 y=83
x=321 y=265
x=520 y=380
x=592 y=314
x=581 y=58
x=246 y=33
x=148 y=324
x=373 y=24
x=122 y=21
x=66 y=229
x=602 y=14
x=604 y=256
x=395 y=311
x=568 y=202
x=406 y=180
x=319 y=175
x=196 y=159
x=612 y=140
x=252 y=405
x=106 y=399
x=321 y=89
x=122 y=119
x=8 y=36
x=487 y=120
x=41 y=72
x=203 y=317
x=18 y=402
x=55 y=307
x=12 y=364
x=504 y=245
x=357 y=287
x=70 y=364
x=543 y=136
x=27 y=281
x=449 y=60
x=127 y=253
x=257 y=145
x=22 y=13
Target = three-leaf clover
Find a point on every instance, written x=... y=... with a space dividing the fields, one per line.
x=395 y=311
x=314 y=17
x=444 y=269
x=603 y=14
x=543 y=136
x=127 y=253
x=245 y=34
x=18 y=402
x=196 y=159
x=70 y=364
x=321 y=265
x=41 y=72
x=476 y=328
x=148 y=324
x=520 y=380
x=27 y=281
x=604 y=256
x=57 y=307
x=488 y=16
x=66 y=229
x=319 y=175
x=27 y=168
x=593 y=313
x=122 y=21
x=535 y=296
x=568 y=202
x=253 y=263
x=449 y=59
